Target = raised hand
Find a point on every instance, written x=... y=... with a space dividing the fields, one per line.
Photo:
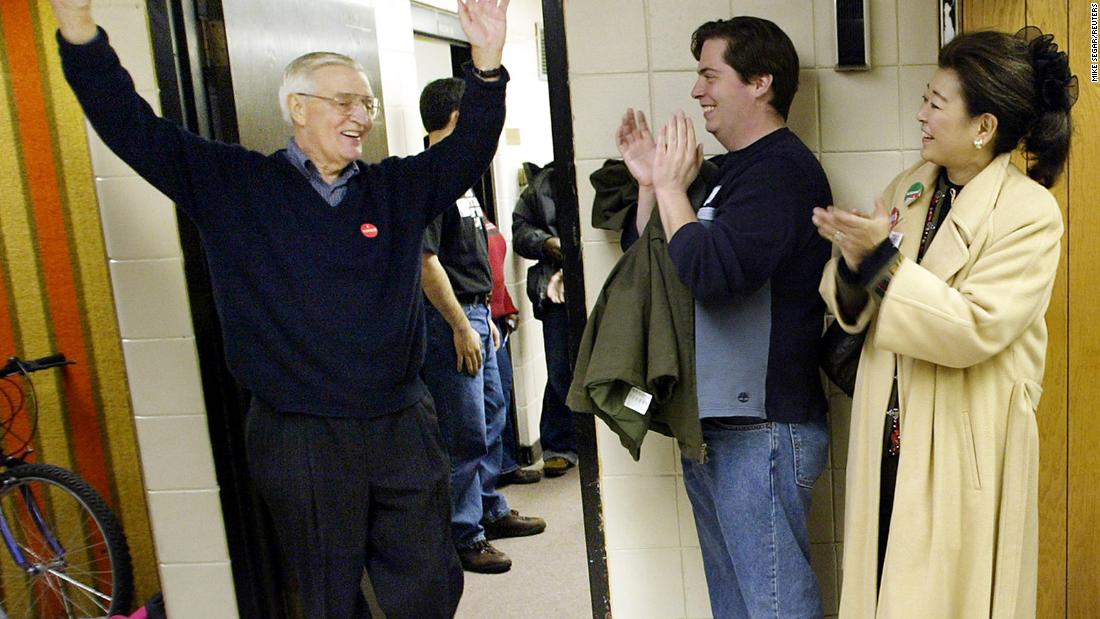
x=485 y=24
x=74 y=20
x=636 y=145
x=677 y=156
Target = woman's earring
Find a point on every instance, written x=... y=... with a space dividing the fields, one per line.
x=979 y=143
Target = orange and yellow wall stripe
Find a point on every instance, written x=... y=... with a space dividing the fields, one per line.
x=55 y=292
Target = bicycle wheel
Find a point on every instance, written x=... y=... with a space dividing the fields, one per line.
x=75 y=560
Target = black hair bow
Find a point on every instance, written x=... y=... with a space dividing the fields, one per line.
x=1055 y=86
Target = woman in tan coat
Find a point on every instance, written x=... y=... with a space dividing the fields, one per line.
x=951 y=276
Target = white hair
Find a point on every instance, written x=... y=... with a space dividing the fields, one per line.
x=298 y=75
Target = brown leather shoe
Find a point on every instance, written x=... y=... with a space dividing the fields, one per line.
x=556 y=466
x=483 y=558
x=520 y=477
x=514 y=525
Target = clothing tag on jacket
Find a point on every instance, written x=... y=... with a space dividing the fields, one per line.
x=638 y=400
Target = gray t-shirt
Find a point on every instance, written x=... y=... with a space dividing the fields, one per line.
x=727 y=358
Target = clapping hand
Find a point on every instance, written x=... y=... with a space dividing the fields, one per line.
x=636 y=145
x=854 y=233
x=677 y=156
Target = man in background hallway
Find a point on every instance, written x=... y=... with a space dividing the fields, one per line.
x=461 y=364
x=535 y=236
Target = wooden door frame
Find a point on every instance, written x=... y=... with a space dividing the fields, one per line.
x=1069 y=478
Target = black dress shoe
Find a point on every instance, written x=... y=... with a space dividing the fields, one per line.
x=483 y=558
x=519 y=476
x=514 y=525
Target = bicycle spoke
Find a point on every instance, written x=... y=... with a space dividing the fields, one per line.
x=79 y=585
x=57 y=522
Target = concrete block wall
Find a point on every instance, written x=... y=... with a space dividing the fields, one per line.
x=146 y=265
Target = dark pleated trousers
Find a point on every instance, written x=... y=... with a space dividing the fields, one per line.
x=348 y=494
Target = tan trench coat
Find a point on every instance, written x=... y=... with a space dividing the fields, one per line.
x=966 y=328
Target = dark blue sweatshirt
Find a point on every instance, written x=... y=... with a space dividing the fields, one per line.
x=753 y=264
x=320 y=307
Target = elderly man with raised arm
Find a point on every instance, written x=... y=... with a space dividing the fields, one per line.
x=315 y=262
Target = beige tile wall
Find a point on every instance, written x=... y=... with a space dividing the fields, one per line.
x=861 y=127
x=146 y=264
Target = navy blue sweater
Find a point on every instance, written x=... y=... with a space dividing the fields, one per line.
x=320 y=306
x=754 y=273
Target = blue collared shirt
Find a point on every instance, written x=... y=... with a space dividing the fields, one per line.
x=333 y=193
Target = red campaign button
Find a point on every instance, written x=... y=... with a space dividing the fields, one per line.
x=369 y=230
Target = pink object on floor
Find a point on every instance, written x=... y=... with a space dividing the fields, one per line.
x=139 y=614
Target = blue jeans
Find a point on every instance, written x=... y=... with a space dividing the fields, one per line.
x=556 y=431
x=508 y=435
x=751 y=500
x=471 y=417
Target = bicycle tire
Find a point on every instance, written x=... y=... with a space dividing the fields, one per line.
x=93 y=577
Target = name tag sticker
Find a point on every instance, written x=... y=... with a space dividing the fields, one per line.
x=638 y=400
x=468 y=207
x=713 y=192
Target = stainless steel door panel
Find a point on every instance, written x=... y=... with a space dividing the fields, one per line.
x=263 y=36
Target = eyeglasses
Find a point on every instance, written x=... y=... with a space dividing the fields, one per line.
x=346 y=102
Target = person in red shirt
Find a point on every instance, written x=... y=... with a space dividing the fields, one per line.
x=506 y=316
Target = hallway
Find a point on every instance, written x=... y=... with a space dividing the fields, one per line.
x=549 y=575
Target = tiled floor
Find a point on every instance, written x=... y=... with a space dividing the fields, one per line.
x=549 y=575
